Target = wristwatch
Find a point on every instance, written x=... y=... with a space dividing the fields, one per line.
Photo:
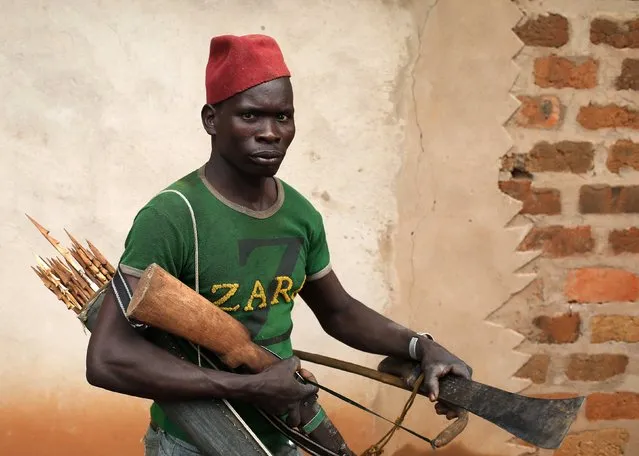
x=412 y=345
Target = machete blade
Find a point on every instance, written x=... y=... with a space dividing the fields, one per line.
x=540 y=422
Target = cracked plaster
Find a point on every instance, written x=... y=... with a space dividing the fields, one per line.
x=455 y=255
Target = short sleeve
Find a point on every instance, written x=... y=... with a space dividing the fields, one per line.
x=318 y=261
x=153 y=238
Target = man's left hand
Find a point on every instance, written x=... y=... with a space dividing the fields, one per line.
x=437 y=362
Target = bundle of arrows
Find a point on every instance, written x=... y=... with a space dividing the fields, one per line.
x=77 y=275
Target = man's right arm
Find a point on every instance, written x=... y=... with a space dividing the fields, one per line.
x=121 y=360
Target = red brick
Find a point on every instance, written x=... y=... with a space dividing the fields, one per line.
x=604 y=199
x=618 y=34
x=535 y=369
x=601 y=285
x=516 y=188
x=614 y=328
x=595 y=368
x=558 y=241
x=561 y=72
x=544 y=31
x=623 y=154
x=558 y=329
x=612 y=406
x=536 y=200
x=543 y=112
x=600 y=442
x=624 y=241
x=629 y=77
x=594 y=117
x=564 y=156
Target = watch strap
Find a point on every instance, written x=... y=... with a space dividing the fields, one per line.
x=412 y=345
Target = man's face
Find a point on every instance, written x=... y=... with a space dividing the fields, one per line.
x=253 y=129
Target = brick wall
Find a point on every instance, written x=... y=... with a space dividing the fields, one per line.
x=574 y=166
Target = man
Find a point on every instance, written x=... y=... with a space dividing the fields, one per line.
x=259 y=244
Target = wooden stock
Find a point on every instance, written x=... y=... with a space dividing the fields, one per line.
x=162 y=301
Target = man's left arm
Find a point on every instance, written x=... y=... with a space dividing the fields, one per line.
x=353 y=323
x=357 y=325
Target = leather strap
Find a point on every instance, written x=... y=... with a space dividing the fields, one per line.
x=122 y=292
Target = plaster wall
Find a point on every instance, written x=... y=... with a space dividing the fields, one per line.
x=396 y=146
x=454 y=253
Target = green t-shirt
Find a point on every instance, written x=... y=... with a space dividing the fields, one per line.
x=252 y=264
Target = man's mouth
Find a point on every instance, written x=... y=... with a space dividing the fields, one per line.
x=267 y=157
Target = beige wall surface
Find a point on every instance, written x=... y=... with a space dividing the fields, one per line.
x=454 y=255
x=397 y=146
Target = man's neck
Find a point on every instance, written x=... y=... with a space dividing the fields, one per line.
x=253 y=192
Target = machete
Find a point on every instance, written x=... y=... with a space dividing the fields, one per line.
x=540 y=422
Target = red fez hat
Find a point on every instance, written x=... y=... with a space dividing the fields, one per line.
x=237 y=63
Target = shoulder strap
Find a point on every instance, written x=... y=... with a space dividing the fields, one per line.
x=197 y=255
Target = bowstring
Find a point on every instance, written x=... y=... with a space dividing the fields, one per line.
x=377 y=448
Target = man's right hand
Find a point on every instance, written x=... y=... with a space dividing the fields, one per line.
x=278 y=390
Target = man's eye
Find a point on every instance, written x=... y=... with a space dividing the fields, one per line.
x=282 y=117
x=248 y=116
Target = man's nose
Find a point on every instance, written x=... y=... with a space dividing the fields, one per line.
x=269 y=133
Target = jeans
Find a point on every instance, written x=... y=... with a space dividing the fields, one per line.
x=159 y=443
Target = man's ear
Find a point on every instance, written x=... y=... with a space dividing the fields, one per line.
x=208 y=119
